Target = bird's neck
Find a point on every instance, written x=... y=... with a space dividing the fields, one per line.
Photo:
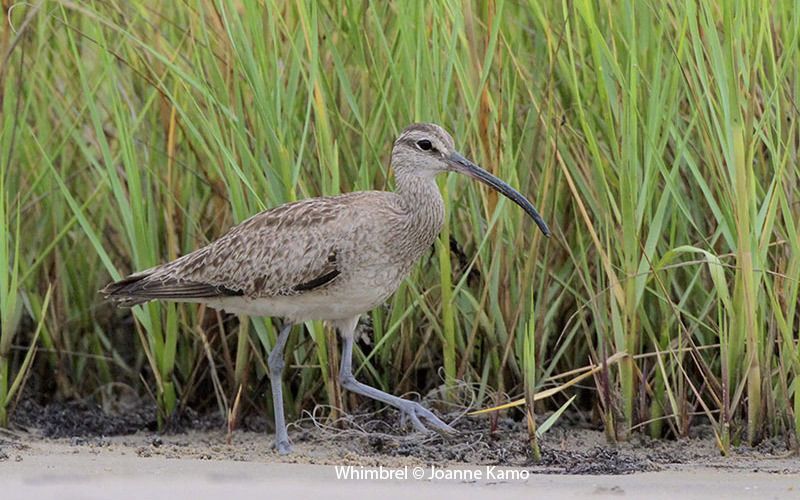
x=424 y=206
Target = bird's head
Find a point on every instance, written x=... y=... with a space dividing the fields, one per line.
x=426 y=149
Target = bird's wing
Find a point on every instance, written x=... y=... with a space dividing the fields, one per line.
x=289 y=250
x=284 y=251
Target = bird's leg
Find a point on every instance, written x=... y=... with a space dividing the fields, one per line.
x=410 y=409
x=276 y=363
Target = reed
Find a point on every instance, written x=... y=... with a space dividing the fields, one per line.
x=659 y=139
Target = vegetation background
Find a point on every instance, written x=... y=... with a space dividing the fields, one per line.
x=658 y=138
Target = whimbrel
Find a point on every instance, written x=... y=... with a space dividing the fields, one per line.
x=331 y=258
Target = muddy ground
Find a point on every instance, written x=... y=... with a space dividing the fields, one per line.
x=48 y=445
x=570 y=447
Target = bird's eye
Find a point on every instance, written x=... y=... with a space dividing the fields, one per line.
x=424 y=145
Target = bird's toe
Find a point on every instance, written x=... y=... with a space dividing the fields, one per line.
x=410 y=414
x=415 y=412
x=283 y=447
x=437 y=424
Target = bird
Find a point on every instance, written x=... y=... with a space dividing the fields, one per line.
x=329 y=258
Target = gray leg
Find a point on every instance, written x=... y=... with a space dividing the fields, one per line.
x=410 y=409
x=276 y=363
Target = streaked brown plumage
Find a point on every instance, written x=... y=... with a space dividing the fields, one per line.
x=330 y=258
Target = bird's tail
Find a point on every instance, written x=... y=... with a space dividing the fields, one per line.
x=127 y=291
x=155 y=285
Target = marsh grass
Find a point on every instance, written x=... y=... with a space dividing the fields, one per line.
x=659 y=139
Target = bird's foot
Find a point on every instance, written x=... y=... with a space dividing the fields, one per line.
x=415 y=412
x=283 y=447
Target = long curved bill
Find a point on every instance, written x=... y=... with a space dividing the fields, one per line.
x=463 y=165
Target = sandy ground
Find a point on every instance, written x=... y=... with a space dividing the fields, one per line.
x=203 y=465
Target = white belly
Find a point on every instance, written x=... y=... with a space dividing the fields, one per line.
x=350 y=295
x=309 y=306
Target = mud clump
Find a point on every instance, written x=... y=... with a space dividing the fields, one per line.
x=82 y=419
x=593 y=462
